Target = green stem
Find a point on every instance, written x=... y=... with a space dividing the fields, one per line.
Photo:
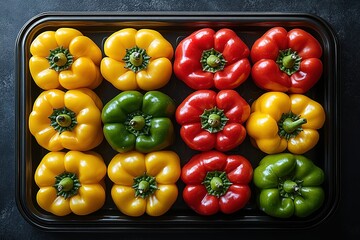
x=63 y=119
x=67 y=184
x=213 y=120
x=216 y=183
x=290 y=125
x=212 y=61
x=144 y=186
x=290 y=186
x=60 y=59
x=138 y=123
x=136 y=59
x=288 y=61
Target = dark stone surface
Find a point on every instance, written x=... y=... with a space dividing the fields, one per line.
x=342 y=15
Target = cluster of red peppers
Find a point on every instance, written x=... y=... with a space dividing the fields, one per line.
x=213 y=64
x=214 y=120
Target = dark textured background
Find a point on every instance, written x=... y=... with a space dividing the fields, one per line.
x=342 y=15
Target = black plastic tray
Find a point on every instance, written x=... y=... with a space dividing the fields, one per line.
x=174 y=26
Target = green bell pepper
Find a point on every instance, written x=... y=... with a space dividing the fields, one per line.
x=133 y=121
x=289 y=185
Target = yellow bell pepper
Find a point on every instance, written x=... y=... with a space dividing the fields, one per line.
x=144 y=183
x=70 y=120
x=71 y=182
x=65 y=59
x=137 y=59
x=279 y=121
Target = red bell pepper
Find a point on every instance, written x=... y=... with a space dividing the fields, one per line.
x=207 y=59
x=286 y=61
x=211 y=120
x=216 y=182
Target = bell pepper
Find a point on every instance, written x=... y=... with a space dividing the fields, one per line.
x=144 y=183
x=216 y=182
x=71 y=182
x=137 y=59
x=70 y=120
x=289 y=185
x=279 y=121
x=211 y=120
x=133 y=121
x=207 y=59
x=65 y=58
x=286 y=61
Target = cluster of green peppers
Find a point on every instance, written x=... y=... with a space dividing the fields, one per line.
x=137 y=123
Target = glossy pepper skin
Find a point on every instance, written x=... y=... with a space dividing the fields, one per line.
x=137 y=59
x=216 y=182
x=144 y=183
x=71 y=182
x=213 y=120
x=286 y=61
x=65 y=58
x=289 y=185
x=279 y=121
x=70 y=120
x=141 y=122
x=207 y=59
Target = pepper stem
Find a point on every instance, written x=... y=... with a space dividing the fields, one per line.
x=212 y=61
x=288 y=61
x=60 y=59
x=290 y=186
x=63 y=119
x=213 y=120
x=67 y=184
x=138 y=123
x=290 y=125
x=216 y=183
x=144 y=186
x=136 y=59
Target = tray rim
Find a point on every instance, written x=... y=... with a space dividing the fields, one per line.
x=163 y=15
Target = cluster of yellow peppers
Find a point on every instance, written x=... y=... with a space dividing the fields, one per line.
x=66 y=121
x=68 y=66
